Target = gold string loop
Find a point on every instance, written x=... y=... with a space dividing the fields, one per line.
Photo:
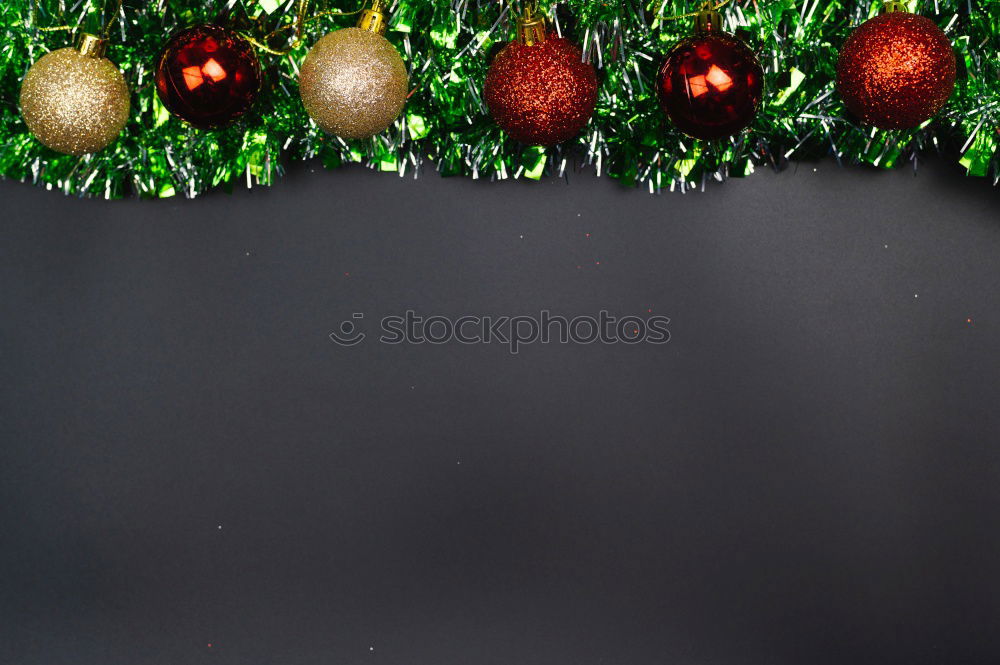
x=705 y=6
x=34 y=20
x=105 y=31
x=111 y=20
x=298 y=25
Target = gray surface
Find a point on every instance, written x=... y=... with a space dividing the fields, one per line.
x=806 y=473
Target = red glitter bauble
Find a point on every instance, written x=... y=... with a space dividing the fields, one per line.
x=208 y=76
x=710 y=85
x=541 y=94
x=896 y=70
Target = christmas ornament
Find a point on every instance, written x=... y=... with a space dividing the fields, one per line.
x=353 y=82
x=208 y=76
x=538 y=88
x=448 y=127
x=75 y=100
x=896 y=69
x=710 y=84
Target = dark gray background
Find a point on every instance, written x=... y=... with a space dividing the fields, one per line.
x=807 y=473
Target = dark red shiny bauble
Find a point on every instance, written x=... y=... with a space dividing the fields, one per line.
x=208 y=76
x=541 y=94
x=710 y=85
x=896 y=70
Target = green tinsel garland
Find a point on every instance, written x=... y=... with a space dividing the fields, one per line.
x=447 y=44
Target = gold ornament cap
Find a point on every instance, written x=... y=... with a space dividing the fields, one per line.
x=531 y=27
x=893 y=7
x=374 y=18
x=708 y=20
x=91 y=45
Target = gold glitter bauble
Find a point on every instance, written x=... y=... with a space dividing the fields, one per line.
x=74 y=103
x=353 y=83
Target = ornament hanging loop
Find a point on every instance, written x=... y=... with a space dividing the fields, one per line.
x=706 y=8
x=531 y=26
x=111 y=20
x=298 y=27
x=105 y=30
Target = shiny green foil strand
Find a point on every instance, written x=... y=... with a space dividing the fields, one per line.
x=447 y=45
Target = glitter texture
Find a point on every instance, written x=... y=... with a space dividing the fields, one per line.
x=208 y=76
x=353 y=83
x=896 y=70
x=541 y=94
x=710 y=85
x=74 y=103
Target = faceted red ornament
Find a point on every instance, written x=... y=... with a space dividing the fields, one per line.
x=896 y=70
x=542 y=94
x=208 y=76
x=710 y=85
